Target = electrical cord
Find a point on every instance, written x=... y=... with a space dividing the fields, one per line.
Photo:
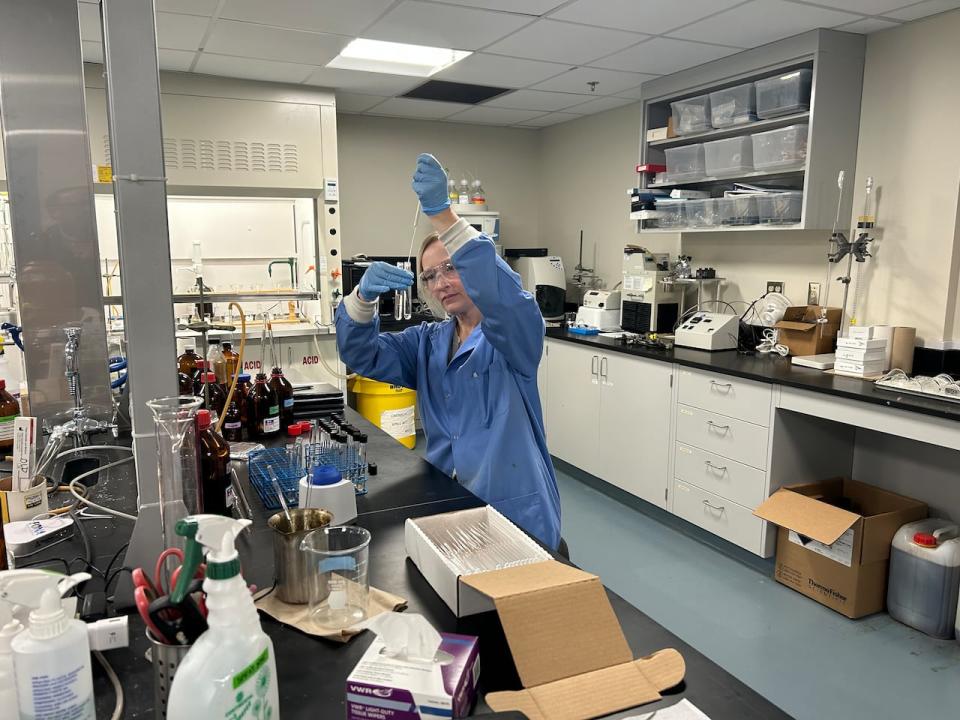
x=326 y=365
x=769 y=345
x=73 y=490
x=115 y=681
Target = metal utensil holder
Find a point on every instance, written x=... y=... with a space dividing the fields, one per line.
x=166 y=659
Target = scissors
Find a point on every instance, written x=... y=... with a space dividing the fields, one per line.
x=159 y=586
x=181 y=623
x=143 y=596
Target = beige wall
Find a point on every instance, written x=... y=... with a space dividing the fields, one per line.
x=377 y=157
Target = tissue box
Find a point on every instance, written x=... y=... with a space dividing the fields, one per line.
x=387 y=688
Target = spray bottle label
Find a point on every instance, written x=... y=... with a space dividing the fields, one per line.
x=251 y=698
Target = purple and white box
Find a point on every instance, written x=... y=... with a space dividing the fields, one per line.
x=389 y=688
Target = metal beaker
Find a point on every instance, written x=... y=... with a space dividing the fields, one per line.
x=178 y=470
x=289 y=563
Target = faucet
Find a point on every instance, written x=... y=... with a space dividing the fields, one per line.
x=292 y=262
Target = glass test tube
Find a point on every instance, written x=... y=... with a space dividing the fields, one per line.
x=360 y=484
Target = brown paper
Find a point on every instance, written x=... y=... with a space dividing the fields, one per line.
x=297 y=616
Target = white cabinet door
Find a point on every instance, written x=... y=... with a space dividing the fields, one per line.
x=635 y=403
x=573 y=405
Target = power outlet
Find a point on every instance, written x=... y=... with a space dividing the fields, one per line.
x=774 y=286
x=813 y=293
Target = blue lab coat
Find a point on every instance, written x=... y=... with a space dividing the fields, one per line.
x=481 y=410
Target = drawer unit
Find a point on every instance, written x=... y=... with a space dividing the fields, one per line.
x=741 y=399
x=724 y=477
x=722 y=435
x=721 y=517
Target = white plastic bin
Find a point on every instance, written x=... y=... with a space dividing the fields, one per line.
x=782 y=208
x=781 y=149
x=704 y=213
x=733 y=156
x=783 y=94
x=733 y=106
x=685 y=163
x=924 y=579
x=671 y=213
x=740 y=210
x=691 y=115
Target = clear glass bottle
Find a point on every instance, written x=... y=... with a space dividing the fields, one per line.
x=263 y=410
x=463 y=196
x=216 y=361
x=284 y=390
x=479 y=197
x=452 y=189
x=215 y=488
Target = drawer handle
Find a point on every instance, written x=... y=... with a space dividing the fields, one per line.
x=711 y=424
x=715 y=468
x=718 y=508
x=715 y=384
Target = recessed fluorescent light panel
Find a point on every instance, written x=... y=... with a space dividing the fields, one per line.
x=395 y=58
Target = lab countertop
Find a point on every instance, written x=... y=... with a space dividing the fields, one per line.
x=772 y=369
x=312 y=671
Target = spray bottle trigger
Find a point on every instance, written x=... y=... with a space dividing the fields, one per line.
x=204 y=533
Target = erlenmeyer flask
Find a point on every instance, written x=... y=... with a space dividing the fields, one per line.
x=177 y=461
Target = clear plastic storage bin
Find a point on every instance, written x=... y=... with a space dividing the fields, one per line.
x=783 y=94
x=685 y=164
x=782 y=208
x=671 y=213
x=733 y=106
x=733 y=156
x=704 y=213
x=781 y=149
x=739 y=210
x=691 y=115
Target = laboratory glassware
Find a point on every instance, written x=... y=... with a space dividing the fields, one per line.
x=217 y=361
x=216 y=490
x=187 y=361
x=284 y=390
x=337 y=575
x=263 y=410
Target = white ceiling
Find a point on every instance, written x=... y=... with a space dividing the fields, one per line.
x=547 y=50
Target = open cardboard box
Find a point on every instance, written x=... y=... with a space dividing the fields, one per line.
x=800 y=330
x=833 y=544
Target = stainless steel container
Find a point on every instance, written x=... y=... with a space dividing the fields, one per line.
x=289 y=563
x=166 y=659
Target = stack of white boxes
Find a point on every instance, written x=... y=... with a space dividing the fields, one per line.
x=861 y=353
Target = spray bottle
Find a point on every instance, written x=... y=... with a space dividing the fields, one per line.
x=230 y=671
x=40 y=655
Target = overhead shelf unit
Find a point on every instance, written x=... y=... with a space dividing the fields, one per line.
x=835 y=60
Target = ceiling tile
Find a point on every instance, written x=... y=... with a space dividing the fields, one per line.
x=535 y=100
x=444 y=25
x=90 y=22
x=633 y=94
x=550 y=119
x=524 y=7
x=600 y=105
x=868 y=25
x=180 y=32
x=867 y=7
x=647 y=16
x=497 y=70
x=331 y=16
x=241 y=67
x=484 y=115
x=92 y=52
x=661 y=56
x=188 y=7
x=610 y=81
x=242 y=39
x=176 y=60
x=563 y=42
x=354 y=102
x=367 y=83
x=762 y=21
x=923 y=9
x=426 y=109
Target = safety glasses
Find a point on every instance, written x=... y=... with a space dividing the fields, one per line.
x=432 y=276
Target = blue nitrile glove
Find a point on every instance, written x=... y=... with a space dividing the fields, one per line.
x=430 y=184
x=383 y=277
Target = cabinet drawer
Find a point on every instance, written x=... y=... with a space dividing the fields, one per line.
x=741 y=399
x=724 y=477
x=723 y=518
x=725 y=436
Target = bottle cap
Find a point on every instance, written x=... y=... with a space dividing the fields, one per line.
x=261 y=377
x=227 y=346
x=201 y=364
x=371 y=469
x=305 y=426
x=49 y=620
x=277 y=371
x=3 y=384
x=325 y=475
x=362 y=437
x=294 y=430
x=210 y=377
x=926 y=540
x=244 y=377
x=203 y=419
x=214 y=341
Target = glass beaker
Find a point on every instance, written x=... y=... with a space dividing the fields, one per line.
x=178 y=468
x=337 y=575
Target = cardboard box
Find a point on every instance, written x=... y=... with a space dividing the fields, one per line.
x=23 y=505
x=387 y=688
x=420 y=540
x=656 y=134
x=833 y=544
x=571 y=655
x=800 y=331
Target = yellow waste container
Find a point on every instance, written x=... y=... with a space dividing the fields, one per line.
x=389 y=407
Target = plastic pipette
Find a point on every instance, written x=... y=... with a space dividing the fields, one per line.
x=279 y=491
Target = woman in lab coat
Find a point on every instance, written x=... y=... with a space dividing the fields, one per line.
x=475 y=372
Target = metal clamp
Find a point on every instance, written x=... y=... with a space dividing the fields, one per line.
x=715 y=384
x=133 y=177
x=718 y=508
x=715 y=468
x=593 y=366
x=603 y=368
x=713 y=425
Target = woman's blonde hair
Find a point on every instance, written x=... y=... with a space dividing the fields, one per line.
x=426 y=296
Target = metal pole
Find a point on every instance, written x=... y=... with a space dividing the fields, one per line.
x=139 y=187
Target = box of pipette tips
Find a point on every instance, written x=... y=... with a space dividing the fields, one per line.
x=382 y=687
x=450 y=546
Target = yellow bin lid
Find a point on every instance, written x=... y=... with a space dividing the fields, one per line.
x=366 y=386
